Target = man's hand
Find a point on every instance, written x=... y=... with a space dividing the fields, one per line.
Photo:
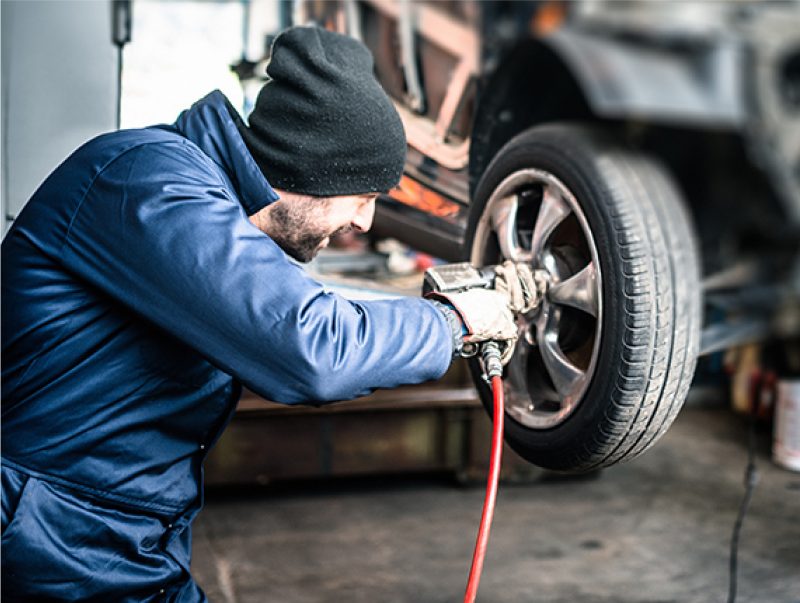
x=518 y=282
x=488 y=314
x=485 y=316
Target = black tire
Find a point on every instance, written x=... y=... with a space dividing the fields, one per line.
x=651 y=297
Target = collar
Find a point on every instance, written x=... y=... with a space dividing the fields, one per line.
x=211 y=124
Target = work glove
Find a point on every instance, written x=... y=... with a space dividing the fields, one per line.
x=518 y=282
x=485 y=315
x=488 y=314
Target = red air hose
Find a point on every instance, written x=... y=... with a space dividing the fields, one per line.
x=491 y=492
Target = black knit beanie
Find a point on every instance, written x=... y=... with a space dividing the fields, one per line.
x=322 y=125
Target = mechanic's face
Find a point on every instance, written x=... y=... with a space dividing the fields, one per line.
x=302 y=225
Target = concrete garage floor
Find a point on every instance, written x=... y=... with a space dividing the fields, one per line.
x=653 y=530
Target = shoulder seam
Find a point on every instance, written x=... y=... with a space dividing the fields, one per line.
x=180 y=141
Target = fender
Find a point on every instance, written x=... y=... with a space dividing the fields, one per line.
x=573 y=74
x=691 y=84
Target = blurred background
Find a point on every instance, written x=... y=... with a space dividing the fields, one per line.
x=703 y=101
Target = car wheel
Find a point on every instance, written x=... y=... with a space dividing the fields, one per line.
x=603 y=365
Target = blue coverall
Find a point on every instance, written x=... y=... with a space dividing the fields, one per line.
x=136 y=298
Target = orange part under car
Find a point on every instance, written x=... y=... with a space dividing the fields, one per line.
x=411 y=192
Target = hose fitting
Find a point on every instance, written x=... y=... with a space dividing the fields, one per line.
x=492 y=365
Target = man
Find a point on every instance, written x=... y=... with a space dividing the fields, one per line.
x=147 y=278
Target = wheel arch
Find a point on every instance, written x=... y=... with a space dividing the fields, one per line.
x=543 y=80
x=505 y=107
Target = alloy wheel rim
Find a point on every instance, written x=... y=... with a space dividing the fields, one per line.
x=532 y=217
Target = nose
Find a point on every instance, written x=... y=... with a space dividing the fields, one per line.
x=362 y=221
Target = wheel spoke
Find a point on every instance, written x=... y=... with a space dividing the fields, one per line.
x=504 y=221
x=565 y=375
x=551 y=213
x=578 y=291
x=516 y=382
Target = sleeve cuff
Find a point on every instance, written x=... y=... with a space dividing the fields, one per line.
x=454 y=322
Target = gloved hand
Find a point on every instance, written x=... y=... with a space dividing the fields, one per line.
x=517 y=281
x=485 y=316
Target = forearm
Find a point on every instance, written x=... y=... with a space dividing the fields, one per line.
x=346 y=349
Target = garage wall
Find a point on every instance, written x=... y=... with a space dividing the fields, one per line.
x=59 y=88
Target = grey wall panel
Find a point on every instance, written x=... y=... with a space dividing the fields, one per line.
x=59 y=87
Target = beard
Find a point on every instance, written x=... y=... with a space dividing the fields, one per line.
x=297 y=228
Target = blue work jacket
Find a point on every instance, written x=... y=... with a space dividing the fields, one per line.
x=136 y=298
